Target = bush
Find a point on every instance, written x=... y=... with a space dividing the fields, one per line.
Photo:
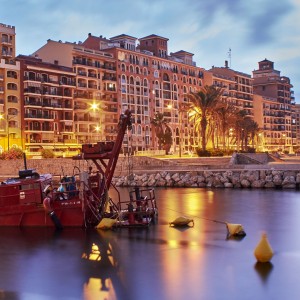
x=216 y=152
x=12 y=153
x=202 y=153
x=47 y=153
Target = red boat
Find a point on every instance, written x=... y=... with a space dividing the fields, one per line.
x=78 y=200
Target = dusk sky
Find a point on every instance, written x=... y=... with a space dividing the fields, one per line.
x=253 y=30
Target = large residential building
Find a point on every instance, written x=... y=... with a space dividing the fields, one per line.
x=274 y=105
x=48 y=107
x=10 y=104
x=66 y=94
x=117 y=74
x=237 y=87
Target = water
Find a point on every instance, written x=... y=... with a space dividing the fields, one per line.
x=162 y=262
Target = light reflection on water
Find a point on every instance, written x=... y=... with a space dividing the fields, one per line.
x=163 y=262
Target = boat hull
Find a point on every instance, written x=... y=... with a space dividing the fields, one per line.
x=69 y=214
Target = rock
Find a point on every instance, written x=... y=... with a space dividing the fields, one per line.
x=245 y=183
x=228 y=185
x=258 y=183
x=269 y=184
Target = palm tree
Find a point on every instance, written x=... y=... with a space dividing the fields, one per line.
x=163 y=131
x=203 y=104
x=250 y=129
x=225 y=113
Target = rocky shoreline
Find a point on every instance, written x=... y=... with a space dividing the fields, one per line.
x=278 y=179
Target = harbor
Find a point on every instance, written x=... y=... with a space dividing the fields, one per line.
x=162 y=262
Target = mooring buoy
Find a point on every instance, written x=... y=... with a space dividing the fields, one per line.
x=263 y=251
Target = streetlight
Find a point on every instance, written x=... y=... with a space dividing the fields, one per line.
x=183 y=107
x=284 y=141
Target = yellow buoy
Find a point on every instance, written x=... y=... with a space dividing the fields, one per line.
x=181 y=221
x=106 y=223
x=235 y=229
x=263 y=251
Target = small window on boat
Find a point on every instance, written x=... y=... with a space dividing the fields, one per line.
x=34 y=186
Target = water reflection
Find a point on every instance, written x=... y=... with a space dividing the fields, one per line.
x=263 y=270
x=162 y=262
x=102 y=268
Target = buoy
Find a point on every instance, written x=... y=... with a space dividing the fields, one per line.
x=106 y=223
x=181 y=221
x=235 y=229
x=263 y=251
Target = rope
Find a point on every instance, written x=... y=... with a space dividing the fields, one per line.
x=207 y=219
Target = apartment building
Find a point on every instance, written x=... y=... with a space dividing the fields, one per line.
x=10 y=104
x=94 y=98
x=151 y=81
x=237 y=87
x=7 y=42
x=277 y=105
x=48 y=109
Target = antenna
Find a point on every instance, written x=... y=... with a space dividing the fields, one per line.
x=229 y=56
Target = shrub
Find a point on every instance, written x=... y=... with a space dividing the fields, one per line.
x=12 y=153
x=47 y=153
x=202 y=153
x=216 y=152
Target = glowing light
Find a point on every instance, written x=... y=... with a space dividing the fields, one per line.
x=94 y=106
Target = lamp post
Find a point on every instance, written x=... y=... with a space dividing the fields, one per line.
x=284 y=141
x=183 y=107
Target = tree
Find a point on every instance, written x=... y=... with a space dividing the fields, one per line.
x=203 y=104
x=249 y=130
x=163 y=132
x=225 y=114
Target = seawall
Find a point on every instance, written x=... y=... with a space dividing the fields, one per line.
x=185 y=172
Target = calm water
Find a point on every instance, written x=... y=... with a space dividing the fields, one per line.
x=162 y=262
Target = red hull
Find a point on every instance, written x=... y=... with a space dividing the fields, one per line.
x=69 y=213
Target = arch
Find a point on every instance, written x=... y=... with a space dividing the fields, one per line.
x=145 y=71
x=166 y=77
x=123 y=78
x=184 y=79
x=137 y=70
x=145 y=82
x=123 y=67
x=147 y=130
x=131 y=69
x=133 y=129
x=175 y=77
x=131 y=80
x=139 y=129
x=137 y=80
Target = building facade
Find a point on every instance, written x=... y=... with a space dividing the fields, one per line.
x=67 y=94
x=10 y=102
x=277 y=105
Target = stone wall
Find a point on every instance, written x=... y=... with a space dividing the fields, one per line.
x=215 y=179
x=170 y=173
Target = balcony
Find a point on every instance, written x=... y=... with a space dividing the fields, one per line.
x=7 y=53
x=109 y=78
x=38 y=116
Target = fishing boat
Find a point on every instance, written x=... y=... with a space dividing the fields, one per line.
x=81 y=199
